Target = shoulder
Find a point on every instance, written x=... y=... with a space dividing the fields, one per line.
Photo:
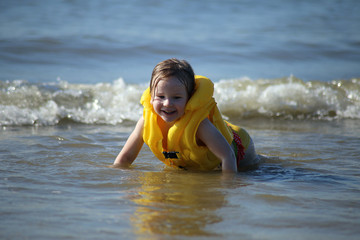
x=140 y=123
x=139 y=126
x=204 y=124
x=205 y=129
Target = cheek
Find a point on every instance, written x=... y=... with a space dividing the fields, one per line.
x=182 y=105
x=156 y=105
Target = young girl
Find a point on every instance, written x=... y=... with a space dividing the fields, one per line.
x=183 y=126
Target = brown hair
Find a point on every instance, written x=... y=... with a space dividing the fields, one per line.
x=173 y=67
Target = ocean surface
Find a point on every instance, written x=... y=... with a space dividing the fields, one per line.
x=71 y=76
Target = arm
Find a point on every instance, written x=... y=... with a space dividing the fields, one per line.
x=132 y=146
x=217 y=144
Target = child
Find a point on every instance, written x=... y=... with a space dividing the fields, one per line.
x=183 y=126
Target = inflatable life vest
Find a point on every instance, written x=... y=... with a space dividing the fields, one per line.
x=182 y=149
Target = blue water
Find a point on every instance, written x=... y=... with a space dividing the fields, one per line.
x=99 y=41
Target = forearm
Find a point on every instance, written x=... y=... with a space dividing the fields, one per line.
x=229 y=163
x=132 y=147
x=122 y=161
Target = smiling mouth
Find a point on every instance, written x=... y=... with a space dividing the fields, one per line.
x=168 y=112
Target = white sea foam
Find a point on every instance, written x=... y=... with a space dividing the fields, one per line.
x=289 y=98
x=23 y=103
x=102 y=103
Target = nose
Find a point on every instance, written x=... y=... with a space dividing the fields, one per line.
x=167 y=102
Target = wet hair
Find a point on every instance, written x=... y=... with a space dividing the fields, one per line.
x=173 y=67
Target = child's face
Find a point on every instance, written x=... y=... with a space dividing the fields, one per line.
x=169 y=99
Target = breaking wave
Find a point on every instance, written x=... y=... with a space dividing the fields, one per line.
x=24 y=103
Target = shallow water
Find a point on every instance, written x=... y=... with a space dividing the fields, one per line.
x=56 y=183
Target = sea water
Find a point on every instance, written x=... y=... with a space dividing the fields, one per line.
x=71 y=76
x=57 y=183
x=100 y=41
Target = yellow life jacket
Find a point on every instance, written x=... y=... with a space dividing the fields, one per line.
x=182 y=149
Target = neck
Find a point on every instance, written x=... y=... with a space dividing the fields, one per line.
x=165 y=126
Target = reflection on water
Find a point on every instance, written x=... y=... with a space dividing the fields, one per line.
x=177 y=204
